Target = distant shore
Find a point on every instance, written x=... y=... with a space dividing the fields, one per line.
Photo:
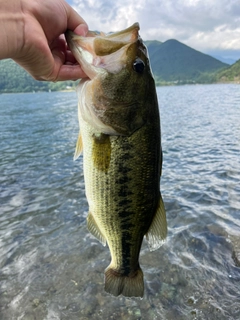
x=158 y=84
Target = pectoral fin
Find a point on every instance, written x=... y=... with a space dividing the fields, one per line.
x=94 y=229
x=158 y=229
x=79 y=147
x=101 y=152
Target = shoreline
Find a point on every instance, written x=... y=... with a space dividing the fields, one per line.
x=157 y=85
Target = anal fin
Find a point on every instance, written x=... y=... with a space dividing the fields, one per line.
x=94 y=229
x=158 y=230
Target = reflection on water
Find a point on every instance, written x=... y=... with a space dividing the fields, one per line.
x=52 y=268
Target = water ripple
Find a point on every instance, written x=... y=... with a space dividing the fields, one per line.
x=52 y=268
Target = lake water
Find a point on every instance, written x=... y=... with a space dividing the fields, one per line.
x=52 y=268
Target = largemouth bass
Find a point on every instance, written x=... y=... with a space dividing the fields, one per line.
x=122 y=158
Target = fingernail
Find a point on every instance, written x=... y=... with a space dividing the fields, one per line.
x=81 y=30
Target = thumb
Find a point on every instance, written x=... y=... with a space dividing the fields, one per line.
x=81 y=30
x=75 y=22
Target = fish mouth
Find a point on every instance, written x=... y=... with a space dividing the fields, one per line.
x=100 y=53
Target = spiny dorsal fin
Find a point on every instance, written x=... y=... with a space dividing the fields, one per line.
x=79 y=147
x=94 y=229
x=158 y=229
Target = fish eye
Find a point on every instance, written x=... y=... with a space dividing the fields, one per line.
x=138 y=65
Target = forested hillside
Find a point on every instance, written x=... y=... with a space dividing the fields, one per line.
x=230 y=74
x=15 y=79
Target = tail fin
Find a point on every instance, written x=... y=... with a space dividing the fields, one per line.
x=128 y=286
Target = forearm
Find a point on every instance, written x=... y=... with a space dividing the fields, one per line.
x=11 y=28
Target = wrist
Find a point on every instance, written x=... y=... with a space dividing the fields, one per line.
x=12 y=28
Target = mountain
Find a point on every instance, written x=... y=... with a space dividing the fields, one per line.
x=230 y=74
x=225 y=60
x=152 y=46
x=173 y=61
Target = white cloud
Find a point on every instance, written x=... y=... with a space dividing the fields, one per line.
x=205 y=25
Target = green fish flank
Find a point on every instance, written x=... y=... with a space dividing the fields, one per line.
x=122 y=158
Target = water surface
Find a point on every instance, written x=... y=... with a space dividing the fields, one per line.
x=52 y=268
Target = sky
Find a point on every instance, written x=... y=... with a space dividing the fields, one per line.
x=209 y=26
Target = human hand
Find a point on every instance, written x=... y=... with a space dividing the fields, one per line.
x=33 y=36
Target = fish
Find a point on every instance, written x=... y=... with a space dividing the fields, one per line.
x=120 y=140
